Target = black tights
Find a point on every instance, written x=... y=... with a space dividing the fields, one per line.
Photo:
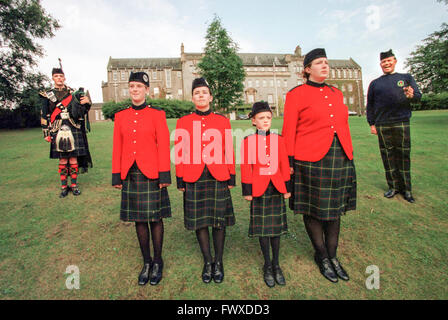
x=265 y=248
x=324 y=235
x=157 y=240
x=219 y=236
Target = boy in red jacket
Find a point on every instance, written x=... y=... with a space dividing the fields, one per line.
x=265 y=176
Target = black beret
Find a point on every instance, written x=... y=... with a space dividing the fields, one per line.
x=57 y=71
x=259 y=107
x=199 y=82
x=139 y=77
x=387 y=54
x=314 y=54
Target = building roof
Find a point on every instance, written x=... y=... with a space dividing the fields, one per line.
x=265 y=59
x=144 y=63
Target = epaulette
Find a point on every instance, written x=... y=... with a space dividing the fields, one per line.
x=296 y=87
x=125 y=108
x=155 y=108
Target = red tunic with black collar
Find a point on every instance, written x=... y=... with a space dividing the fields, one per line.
x=141 y=136
x=314 y=113
x=204 y=138
x=264 y=159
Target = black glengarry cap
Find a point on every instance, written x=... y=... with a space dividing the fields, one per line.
x=199 y=82
x=139 y=77
x=387 y=54
x=314 y=54
x=259 y=107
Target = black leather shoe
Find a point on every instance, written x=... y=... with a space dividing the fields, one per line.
x=339 y=270
x=218 y=272
x=156 y=273
x=64 y=192
x=278 y=275
x=76 y=191
x=390 y=193
x=144 y=274
x=408 y=197
x=326 y=269
x=207 y=272
x=268 y=275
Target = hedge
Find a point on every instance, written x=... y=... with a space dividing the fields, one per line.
x=432 y=102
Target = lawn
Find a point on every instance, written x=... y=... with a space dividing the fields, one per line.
x=40 y=234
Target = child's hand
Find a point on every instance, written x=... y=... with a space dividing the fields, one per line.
x=287 y=195
x=248 y=198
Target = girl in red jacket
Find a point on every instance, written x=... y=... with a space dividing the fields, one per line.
x=265 y=175
x=141 y=169
x=318 y=142
x=205 y=172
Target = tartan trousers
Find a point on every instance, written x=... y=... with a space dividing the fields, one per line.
x=395 y=148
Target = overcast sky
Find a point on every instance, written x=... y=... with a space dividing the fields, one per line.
x=94 y=30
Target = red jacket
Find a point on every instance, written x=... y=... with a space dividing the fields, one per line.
x=313 y=114
x=264 y=159
x=204 y=139
x=142 y=136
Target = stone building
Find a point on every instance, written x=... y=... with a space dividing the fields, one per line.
x=269 y=76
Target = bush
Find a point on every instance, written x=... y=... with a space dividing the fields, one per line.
x=432 y=102
x=172 y=108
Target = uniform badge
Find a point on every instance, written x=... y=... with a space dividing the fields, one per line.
x=51 y=96
x=400 y=83
x=145 y=78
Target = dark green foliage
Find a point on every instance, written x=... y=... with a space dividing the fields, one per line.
x=429 y=62
x=432 y=102
x=21 y=22
x=222 y=68
x=172 y=108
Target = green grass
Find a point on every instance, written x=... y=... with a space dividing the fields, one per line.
x=40 y=234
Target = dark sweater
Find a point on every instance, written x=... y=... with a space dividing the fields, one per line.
x=386 y=101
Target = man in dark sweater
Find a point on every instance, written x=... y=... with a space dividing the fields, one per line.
x=388 y=112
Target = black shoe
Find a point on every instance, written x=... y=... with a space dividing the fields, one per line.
x=326 y=269
x=218 y=272
x=207 y=272
x=339 y=270
x=268 y=275
x=64 y=192
x=390 y=193
x=76 y=191
x=156 y=273
x=144 y=274
x=278 y=274
x=408 y=197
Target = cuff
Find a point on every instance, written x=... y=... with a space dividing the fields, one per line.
x=291 y=161
x=180 y=182
x=165 y=177
x=247 y=189
x=116 y=179
x=289 y=185
x=232 y=180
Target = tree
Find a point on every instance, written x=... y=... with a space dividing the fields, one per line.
x=21 y=22
x=222 y=68
x=429 y=62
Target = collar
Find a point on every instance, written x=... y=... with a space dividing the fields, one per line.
x=315 y=84
x=263 y=133
x=200 y=113
x=140 y=107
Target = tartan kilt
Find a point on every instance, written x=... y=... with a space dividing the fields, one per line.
x=268 y=214
x=141 y=198
x=325 y=189
x=81 y=148
x=207 y=202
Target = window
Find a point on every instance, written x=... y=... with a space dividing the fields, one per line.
x=356 y=74
x=101 y=115
x=343 y=88
x=97 y=115
x=345 y=100
x=333 y=74
x=278 y=83
x=249 y=83
x=257 y=83
x=339 y=74
x=285 y=83
x=114 y=75
x=264 y=84
x=179 y=93
x=345 y=74
x=156 y=91
x=350 y=87
x=350 y=74
x=123 y=75
x=261 y=69
x=250 y=98
x=168 y=78
x=351 y=100
x=270 y=99
x=179 y=74
x=255 y=69
x=169 y=96
x=124 y=92
x=271 y=83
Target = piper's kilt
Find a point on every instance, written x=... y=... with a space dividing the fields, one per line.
x=325 y=189
x=80 y=145
x=268 y=214
x=207 y=202
x=142 y=200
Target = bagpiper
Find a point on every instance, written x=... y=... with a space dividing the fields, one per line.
x=64 y=115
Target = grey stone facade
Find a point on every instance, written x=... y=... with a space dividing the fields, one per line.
x=269 y=77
